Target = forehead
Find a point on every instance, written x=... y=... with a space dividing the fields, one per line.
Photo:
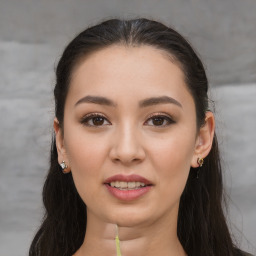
x=116 y=57
x=129 y=69
x=117 y=50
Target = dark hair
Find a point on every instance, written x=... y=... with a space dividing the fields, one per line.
x=202 y=228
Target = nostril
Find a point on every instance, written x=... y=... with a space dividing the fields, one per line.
x=127 y=151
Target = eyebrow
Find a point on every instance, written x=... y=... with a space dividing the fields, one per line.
x=96 y=100
x=159 y=100
x=144 y=103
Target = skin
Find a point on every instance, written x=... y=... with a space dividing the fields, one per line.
x=126 y=140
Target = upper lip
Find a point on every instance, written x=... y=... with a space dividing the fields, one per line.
x=127 y=178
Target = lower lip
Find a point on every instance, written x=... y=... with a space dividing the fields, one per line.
x=128 y=195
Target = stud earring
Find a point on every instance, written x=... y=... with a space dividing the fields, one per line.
x=64 y=167
x=200 y=162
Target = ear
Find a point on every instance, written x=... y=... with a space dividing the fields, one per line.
x=62 y=155
x=204 y=139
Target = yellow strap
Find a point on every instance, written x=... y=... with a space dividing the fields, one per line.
x=118 y=250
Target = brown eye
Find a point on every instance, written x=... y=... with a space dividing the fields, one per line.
x=98 y=120
x=159 y=120
x=94 y=120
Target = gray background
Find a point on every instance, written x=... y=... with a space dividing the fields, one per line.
x=32 y=36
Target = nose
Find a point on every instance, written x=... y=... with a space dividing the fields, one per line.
x=127 y=146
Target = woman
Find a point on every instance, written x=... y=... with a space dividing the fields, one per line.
x=134 y=151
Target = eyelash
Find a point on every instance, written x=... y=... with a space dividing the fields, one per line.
x=165 y=117
x=86 y=119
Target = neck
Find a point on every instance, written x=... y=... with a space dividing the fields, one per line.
x=156 y=239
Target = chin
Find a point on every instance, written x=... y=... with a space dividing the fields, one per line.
x=132 y=218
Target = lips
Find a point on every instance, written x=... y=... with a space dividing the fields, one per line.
x=127 y=187
x=127 y=178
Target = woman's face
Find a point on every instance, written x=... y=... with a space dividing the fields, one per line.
x=130 y=134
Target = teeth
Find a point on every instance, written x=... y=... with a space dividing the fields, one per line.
x=131 y=184
x=123 y=185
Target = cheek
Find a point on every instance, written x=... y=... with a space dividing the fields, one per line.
x=86 y=157
x=171 y=158
x=85 y=151
x=174 y=151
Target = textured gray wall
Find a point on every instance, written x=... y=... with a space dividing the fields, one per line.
x=32 y=36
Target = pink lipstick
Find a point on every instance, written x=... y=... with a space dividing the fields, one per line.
x=127 y=187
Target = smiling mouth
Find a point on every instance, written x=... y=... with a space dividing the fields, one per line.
x=128 y=187
x=123 y=185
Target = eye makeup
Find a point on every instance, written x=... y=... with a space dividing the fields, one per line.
x=155 y=119
x=94 y=120
x=159 y=120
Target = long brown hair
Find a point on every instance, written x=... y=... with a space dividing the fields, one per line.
x=202 y=227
